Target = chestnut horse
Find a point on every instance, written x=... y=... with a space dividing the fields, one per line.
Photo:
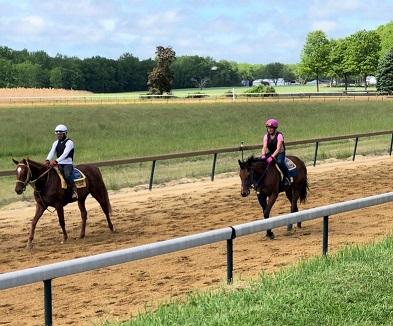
x=48 y=192
x=266 y=180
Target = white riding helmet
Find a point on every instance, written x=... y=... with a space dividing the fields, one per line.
x=60 y=128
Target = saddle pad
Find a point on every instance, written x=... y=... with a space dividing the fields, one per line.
x=62 y=181
x=79 y=178
x=291 y=166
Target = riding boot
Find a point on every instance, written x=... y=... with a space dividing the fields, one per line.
x=286 y=181
x=74 y=192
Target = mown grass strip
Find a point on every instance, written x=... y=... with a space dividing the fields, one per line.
x=352 y=287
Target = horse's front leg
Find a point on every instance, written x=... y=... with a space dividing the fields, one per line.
x=39 y=210
x=60 y=215
x=266 y=211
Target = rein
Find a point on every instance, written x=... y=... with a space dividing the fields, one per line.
x=255 y=185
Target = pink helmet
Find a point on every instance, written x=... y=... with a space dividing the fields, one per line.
x=272 y=123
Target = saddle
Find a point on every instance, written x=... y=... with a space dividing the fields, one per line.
x=78 y=176
x=291 y=168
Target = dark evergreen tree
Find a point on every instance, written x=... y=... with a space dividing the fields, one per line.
x=385 y=73
x=161 y=77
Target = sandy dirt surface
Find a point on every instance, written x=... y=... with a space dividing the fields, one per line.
x=175 y=210
x=42 y=92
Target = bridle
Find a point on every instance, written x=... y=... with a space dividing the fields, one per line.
x=255 y=183
x=29 y=176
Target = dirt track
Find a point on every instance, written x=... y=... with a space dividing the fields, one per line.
x=172 y=211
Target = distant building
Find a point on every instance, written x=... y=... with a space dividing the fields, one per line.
x=371 y=80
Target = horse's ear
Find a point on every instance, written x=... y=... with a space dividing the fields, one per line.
x=24 y=161
x=15 y=161
x=241 y=163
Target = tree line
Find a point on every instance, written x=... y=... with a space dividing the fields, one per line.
x=125 y=74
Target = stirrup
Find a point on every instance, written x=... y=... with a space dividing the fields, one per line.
x=74 y=195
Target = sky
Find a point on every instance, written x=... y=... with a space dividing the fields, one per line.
x=244 y=31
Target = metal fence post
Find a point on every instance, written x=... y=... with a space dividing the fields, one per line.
x=316 y=153
x=48 y=302
x=230 y=256
x=354 y=149
x=214 y=166
x=325 y=235
x=153 y=166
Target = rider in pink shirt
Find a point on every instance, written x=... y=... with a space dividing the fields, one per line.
x=273 y=149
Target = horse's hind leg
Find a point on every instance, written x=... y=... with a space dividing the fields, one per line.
x=82 y=208
x=103 y=200
x=293 y=197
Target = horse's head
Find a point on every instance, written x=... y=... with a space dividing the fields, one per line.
x=23 y=175
x=249 y=170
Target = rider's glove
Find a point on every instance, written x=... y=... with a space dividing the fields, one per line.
x=270 y=159
x=53 y=163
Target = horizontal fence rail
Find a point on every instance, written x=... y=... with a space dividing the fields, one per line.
x=46 y=273
x=241 y=148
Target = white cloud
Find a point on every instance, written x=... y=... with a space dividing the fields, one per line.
x=327 y=26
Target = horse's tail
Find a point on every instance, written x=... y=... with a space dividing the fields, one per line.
x=304 y=188
x=97 y=186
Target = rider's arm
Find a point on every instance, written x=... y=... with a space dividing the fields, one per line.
x=264 y=146
x=52 y=152
x=69 y=146
x=280 y=141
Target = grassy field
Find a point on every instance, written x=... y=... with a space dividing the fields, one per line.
x=353 y=287
x=220 y=91
x=124 y=131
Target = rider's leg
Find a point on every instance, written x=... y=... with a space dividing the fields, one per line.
x=281 y=163
x=67 y=172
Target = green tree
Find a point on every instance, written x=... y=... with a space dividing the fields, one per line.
x=385 y=32
x=56 y=77
x=340 y=66
x=274 y=71
x=190 y=71
x=315 y=56
x=385 y=73
x=161 y=77
x=6 y=73
x=32 y=75
x=363 y=53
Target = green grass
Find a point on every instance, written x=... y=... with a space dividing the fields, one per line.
x=114 y=132
x=352 y=287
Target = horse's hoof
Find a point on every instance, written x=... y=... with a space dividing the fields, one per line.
x=270 y=235
x=29 y=246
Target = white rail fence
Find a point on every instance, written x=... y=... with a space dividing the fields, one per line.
x=46 y=273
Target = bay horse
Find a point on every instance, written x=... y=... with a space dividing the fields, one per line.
x=48 y=192
x=265 y=178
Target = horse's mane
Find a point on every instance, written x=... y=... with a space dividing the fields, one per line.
x=35 y=163
x=252 y=159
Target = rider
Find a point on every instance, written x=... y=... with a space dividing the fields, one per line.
x=63 y=149
x=273 y=143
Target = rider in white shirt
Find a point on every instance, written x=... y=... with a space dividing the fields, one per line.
x=63 y=149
